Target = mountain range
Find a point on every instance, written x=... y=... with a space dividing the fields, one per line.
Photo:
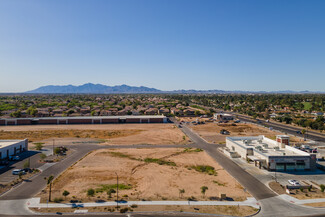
x=90 y=88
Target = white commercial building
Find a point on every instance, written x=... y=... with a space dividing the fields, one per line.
x=269 y=154
x=223 y=117
x=12 y=147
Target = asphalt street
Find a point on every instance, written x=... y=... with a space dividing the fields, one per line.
x=253 y=186
x=271 y=205
x=286 y=128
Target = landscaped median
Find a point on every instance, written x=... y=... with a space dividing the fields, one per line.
x=238 y=208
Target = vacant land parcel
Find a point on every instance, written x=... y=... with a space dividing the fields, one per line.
x=110 y=133
x=211 y=131
x=147 y=174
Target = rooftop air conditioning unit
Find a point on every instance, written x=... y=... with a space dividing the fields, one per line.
x=265 y=145
x=276 y=148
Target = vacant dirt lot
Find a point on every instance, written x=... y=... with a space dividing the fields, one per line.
x=147 y=174
x=110 y=133
x=211 y=131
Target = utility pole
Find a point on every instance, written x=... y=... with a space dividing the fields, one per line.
x=116 y=191
x=53 y=147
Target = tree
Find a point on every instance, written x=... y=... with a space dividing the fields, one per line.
x=90 y=192
x=42 y=156
x=203 y=190
x=197 y=113
x=26 y=164
x=322 y=187
x=65 y=193
x=49 y=182
x=181 y=192
x=110 y=192
x=38 y=146
x=20 y=175
x=57 y=150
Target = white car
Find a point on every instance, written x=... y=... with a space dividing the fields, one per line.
x=18 y=171
x=293 y=182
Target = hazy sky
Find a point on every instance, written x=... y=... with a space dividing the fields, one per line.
x=167 y=44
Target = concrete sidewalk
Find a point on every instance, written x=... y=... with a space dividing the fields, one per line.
x=35 y=203
x=297 y=201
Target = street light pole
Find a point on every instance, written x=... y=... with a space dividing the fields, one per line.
x=53 y=148
x=116 y=191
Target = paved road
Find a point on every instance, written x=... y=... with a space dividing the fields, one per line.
x=318 y=137
x=254 y=186
x=271 y=205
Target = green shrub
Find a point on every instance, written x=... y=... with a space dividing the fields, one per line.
x=90 y=192
x=134 y=206
x=107 y=187
x=159 y=161
x=58 y=200
x=124 y=210
x=322 y=187
x=205 y=169
x=38 y=145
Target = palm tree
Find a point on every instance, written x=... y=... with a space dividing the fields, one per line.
x=203 y=190
x=49 y=182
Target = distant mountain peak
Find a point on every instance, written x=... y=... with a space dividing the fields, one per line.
x=93 y=88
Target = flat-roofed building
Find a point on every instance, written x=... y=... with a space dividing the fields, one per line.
x=12 y=147
x=86 y=120
x=274 y=155
x=223 y=117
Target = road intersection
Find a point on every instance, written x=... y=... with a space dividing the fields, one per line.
x=14 y=202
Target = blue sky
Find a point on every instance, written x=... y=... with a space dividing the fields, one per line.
x=167 y=44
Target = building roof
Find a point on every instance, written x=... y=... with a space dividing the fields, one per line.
x=91 y=117
x=6 y=143
x=266 y=146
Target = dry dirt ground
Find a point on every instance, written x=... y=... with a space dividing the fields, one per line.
x=321 y=204
x=211 y=131
x=146 y=179
x=107 y=134
x=222 y=210
x=301 y=195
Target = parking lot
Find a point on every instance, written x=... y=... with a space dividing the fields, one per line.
x=6 y=170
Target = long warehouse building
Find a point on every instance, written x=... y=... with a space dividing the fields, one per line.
x=85 y=120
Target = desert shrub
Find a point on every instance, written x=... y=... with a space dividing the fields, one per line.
x=39 y=146
x=159 y=161
x=58 y=200
x=124 y=210
x=42 y=156
x=134 y=206
x=322 y=187
x=90 y=192
x=107 y=187
x=205 y=169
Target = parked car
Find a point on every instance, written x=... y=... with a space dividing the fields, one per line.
x=237 y=121
x=293 y=182
x=4 y=162
x=14 y=158
x=299 y=132
x=18 y=171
